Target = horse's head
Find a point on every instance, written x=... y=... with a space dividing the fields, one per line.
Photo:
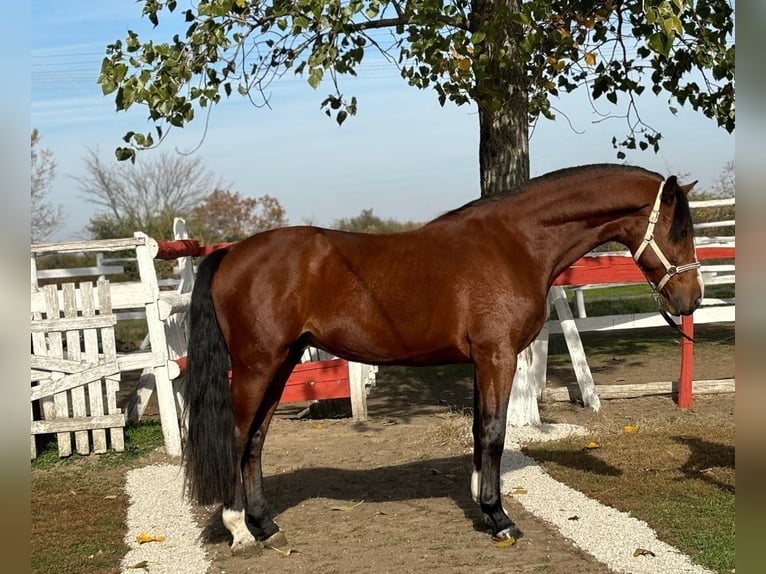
x=667 y=255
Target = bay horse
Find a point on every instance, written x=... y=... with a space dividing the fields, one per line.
x=469 y=286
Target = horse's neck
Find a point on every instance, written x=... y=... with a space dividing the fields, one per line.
x=572 y=219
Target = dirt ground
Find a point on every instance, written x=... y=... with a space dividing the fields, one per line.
x=392 y=494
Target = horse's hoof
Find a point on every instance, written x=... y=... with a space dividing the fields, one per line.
x=506 y=538
x=277 y=541
x=246 y=548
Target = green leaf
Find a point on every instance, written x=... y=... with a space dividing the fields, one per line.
x=341 y=117
x=315 y=77
x=124 y=153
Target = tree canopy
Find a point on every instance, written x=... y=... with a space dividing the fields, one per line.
x=368 y=222
x=148 y=195
x=511 y=57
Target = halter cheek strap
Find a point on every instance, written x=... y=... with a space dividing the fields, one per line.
x=670 y=270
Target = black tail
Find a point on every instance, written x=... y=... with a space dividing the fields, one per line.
x=210 y=449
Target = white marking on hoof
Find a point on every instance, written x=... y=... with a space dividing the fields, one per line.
x=476 y=485
x=234 y=521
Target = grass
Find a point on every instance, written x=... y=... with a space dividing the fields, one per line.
x=682 y=485
x=79 y=505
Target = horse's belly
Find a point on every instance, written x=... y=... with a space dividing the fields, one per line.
x=385 y=345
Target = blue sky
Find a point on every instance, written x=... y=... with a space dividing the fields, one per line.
x=403 y=155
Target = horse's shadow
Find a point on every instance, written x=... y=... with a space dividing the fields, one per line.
x=431 y=478
x=705 y=455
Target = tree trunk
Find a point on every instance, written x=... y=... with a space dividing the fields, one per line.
x=502 y=100
x=503 y=146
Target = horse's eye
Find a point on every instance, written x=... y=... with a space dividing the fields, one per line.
x=684 y=233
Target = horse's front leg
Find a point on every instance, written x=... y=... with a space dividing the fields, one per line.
x=495 y=368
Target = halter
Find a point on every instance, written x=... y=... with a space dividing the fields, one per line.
x=670 y=270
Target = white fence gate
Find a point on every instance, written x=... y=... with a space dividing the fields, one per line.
x=74 y=372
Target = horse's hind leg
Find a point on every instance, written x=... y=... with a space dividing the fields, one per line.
x=257 y=510
x=495 y=369
x=247 y=390
x=255 y=395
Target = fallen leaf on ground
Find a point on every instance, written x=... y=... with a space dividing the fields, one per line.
x=347 y=507
x=504 y=542
x=630 y=428
x=137 y=565
x=143 y=538
x=283 y=551
x=592 y=445
x=643 y=552
x=519 y=490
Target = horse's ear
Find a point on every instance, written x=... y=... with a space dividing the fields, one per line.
x=688 y=187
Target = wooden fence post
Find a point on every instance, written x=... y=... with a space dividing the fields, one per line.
x=687 y=363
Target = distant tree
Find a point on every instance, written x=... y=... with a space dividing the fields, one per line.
x=46 y=217
x=722 y=188
x=368 y=222
x=144 y=196
x=225 y=216
x=724 y=185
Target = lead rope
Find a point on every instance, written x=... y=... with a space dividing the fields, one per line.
x=670 y=270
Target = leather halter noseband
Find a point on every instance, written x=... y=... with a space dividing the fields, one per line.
x=670 y=270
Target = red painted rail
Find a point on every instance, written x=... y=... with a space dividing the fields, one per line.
x=314 y=381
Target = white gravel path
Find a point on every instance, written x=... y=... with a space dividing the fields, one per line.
x=607 y=534
x=158 y=508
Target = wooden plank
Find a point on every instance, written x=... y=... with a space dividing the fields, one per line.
x=73 y=352
x=43 y=376
x=68 y=366
x=687 y=364
x=169 y=417
x=56 y=349
x=576 y=350
x=73 y=323
x=95 y=388
x=318 y=380
x=69 y=382
x=620 y=268
x=88 y=246
x=79 y=272
x=65 y=426
x=644 y=320
x=139 y=360
x=127 y=295
x=571 y=392
x=112 y=383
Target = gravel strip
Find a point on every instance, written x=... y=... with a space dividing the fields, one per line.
x=157 y=508
x=607 y=534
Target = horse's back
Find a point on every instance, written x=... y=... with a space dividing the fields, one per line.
x=378 y=298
